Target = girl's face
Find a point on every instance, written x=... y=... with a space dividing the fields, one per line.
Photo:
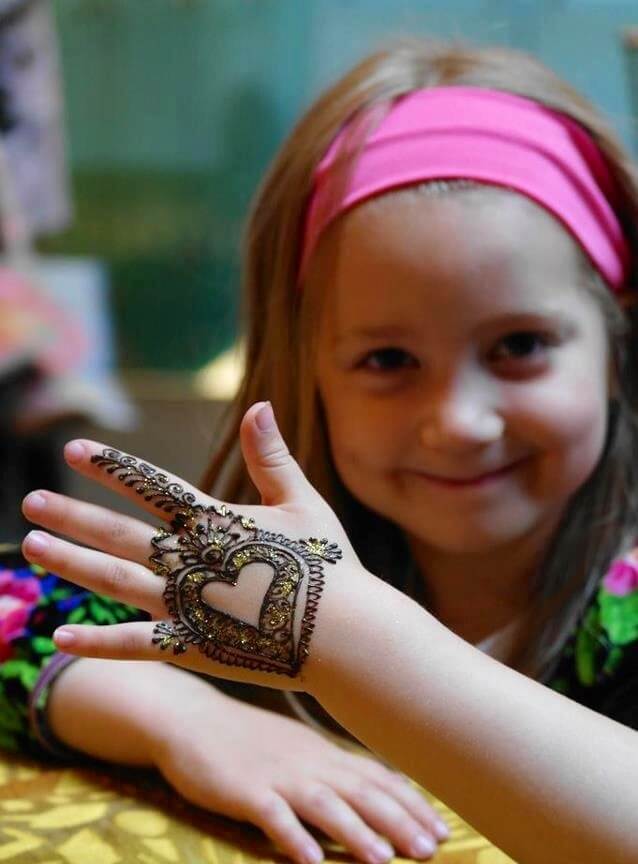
x=462 y=369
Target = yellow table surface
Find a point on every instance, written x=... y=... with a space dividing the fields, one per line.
x=66 y=815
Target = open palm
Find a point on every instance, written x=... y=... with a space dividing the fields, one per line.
x=186 y=574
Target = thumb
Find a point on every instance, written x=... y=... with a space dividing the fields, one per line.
x=275 y=473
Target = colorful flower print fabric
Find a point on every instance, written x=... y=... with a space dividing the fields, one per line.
x=33 y=603
x=599 y=665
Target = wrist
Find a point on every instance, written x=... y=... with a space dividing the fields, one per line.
x=38 y=707
x=114 y=710
x=349 y=596
x=354 y=606
x=190 y=695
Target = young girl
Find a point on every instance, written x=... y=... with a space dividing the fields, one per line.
x=438 y=279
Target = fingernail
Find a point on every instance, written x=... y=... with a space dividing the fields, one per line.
x=34 y=501
x=423 y=845
x=35 y=542
x=265 y=418
x=441 y=830
x=74 y=451
x=313 y=855
x=381 y=852
x=63 y=638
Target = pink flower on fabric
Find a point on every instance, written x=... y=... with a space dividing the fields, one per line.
x=17 y=599
x=622 y=577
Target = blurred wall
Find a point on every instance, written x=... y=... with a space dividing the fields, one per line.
x=175 y=108
x=579 y=39
x=152 y=83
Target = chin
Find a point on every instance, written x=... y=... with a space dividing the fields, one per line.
x=478 y=541
x=477 y=534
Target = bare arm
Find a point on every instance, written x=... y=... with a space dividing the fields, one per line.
x=543 y=777
x=236 y=759
x=110 y=710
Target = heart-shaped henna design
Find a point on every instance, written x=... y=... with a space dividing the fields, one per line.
x=213 y=544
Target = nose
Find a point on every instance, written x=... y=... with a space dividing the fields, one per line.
x=460 y=415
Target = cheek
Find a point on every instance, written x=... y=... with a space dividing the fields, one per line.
x=567 y=426
x=357 y=441
x=362 y=439
x=579 y=446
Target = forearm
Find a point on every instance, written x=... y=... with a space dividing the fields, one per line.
x=542 y=777
x=113 y=710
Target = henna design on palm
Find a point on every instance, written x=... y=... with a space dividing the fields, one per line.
x=212 y=544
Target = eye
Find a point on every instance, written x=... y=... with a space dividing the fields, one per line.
x=386 y=360
x=523 y=345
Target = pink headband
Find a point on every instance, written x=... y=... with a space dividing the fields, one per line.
x=493 y=137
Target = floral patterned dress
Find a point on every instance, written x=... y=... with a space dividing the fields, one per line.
x=598 y=666
x=599 y=663
x=33 y=603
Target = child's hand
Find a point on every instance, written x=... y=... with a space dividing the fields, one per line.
x=261 y=767
x=188 y=576
x=250 y=764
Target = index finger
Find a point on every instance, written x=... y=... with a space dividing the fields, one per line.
x=158 y=492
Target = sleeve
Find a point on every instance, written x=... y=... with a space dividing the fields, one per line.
x=33 y=603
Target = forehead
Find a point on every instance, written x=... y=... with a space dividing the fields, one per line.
x=454 y=256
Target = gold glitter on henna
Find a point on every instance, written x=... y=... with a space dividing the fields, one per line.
x=213 y=544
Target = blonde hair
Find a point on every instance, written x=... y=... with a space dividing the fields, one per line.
x=280 y=326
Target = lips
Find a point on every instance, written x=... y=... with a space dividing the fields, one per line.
x=473 y=479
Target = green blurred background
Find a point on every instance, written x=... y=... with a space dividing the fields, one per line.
x=175 y=107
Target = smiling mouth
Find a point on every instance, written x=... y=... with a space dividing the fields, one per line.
x=479 y=480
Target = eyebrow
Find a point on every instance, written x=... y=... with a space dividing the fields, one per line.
x=374 y=332
x=512 y=319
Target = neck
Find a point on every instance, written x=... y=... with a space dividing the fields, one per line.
x=475 y=594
